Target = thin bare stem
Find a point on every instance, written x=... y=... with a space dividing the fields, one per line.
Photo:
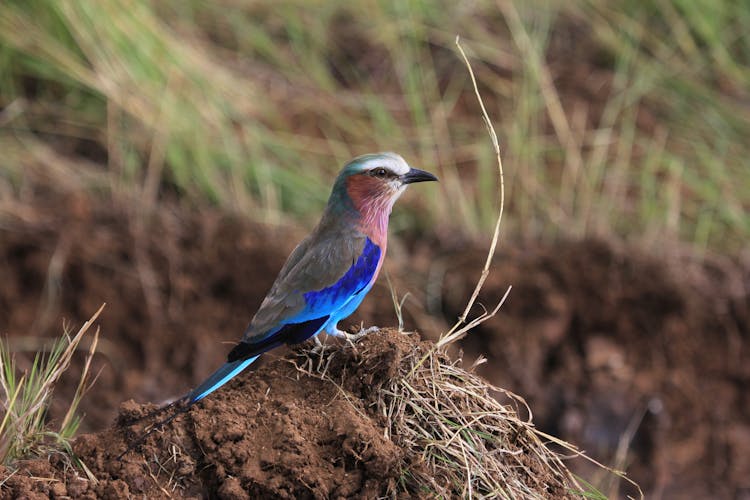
x=496 y=234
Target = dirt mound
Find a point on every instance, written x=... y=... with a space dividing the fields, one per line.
x=306 y=426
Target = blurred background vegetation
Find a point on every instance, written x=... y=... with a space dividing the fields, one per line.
x=620 y=118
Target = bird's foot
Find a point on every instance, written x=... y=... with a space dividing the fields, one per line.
x=351 y=338
x=366 y=331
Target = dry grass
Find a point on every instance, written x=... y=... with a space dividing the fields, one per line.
x=461 y=436
x=24 y=428
x=471 y=444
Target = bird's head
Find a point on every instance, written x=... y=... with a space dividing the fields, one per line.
x=367 y=188
x=372 y=183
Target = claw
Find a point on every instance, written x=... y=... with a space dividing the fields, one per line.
x=367 y=331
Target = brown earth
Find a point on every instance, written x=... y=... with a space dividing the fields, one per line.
x=304 y=440
x=603 y=342
x=317 y=430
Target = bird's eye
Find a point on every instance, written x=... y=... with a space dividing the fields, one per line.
x=380 y=172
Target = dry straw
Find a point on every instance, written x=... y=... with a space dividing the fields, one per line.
x=468 y=442
x=23 y=428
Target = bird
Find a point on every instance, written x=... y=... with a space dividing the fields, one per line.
x=329 y=273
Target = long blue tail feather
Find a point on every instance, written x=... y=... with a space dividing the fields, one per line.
x=219 y=378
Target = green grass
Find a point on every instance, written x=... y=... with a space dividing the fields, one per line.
x=255 y=107
x=24 y=429
x=588 y=490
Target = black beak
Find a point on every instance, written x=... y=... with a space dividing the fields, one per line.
x=416 y=175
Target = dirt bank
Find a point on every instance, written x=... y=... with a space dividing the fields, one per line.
x=600 y=339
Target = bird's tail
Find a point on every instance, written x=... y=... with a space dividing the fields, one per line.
x=220 y=377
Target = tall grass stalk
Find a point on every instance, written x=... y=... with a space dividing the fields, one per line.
x=24 y=430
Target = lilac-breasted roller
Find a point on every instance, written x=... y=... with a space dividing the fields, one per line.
x=329 y=273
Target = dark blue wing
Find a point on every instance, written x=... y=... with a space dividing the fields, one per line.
x=291 y=333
